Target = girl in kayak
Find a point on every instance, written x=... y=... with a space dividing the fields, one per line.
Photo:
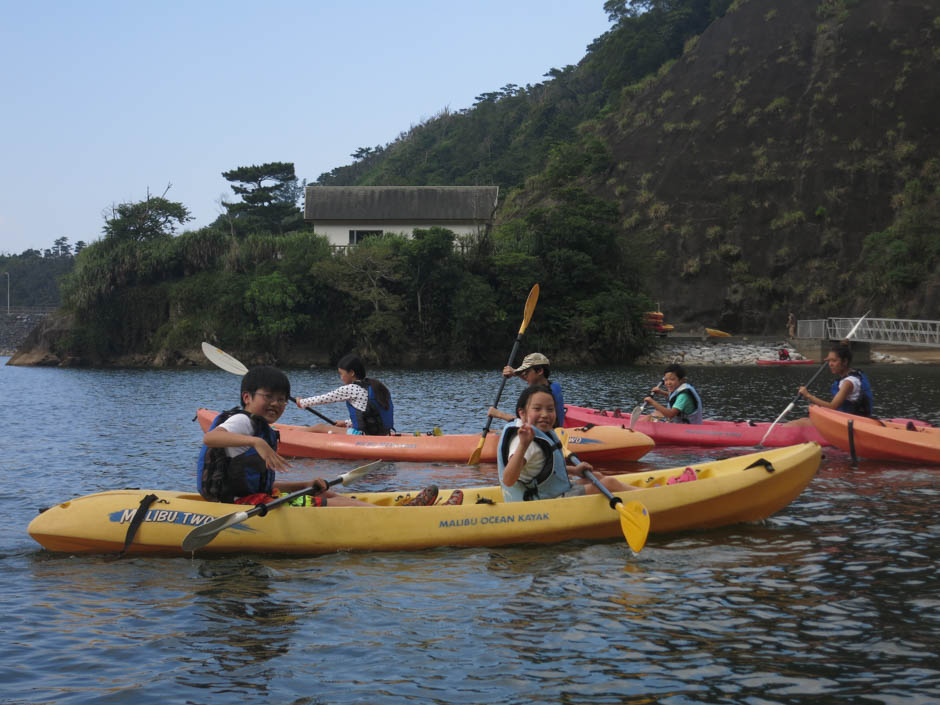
x=851 y=392
x=531 y=459
x=371 y=411
x=684 y=403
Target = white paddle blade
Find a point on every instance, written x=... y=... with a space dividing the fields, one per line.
x=222 y=359
x=356 y=473
x=202 y=535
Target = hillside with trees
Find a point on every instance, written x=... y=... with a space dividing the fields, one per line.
x=730 y=160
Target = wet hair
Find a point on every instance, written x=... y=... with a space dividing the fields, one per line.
x=265 y=377
x=353 y=363
x=676 y=369
x=843 y=351
x=527 y=393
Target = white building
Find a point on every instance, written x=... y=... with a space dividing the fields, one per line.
x=348 y=214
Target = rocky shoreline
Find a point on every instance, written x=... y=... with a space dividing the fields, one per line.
x=719 y=353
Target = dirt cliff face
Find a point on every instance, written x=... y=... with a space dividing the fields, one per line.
x=750 y=172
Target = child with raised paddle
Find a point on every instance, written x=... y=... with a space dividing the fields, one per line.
x=535 y=370
x=239 y=459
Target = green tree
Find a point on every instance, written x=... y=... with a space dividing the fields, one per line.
x=269 y=195
x=153 y=218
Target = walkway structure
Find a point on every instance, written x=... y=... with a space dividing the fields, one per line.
x=893 y=331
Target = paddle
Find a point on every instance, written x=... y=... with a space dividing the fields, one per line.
x=202 y=535
x=529 y=308
x=811 y=380
x=638 y=410
x=222 y=359
x=634 y=517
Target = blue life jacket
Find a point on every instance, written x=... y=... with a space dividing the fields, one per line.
x=552 y=481
x=559 y=404
x=220 y=478
x=696 y=417
x=375 y=420
x=866 y=400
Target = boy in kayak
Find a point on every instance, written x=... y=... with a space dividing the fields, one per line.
x=684 y=405
x=239 y=459
x=534 y=370
x=851 y=392
x=371 y=411
x=531 y=460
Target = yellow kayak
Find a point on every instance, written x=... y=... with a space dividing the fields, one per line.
x=715 y=333
x=722 y=492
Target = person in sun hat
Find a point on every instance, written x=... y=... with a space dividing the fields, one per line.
x=535 y=369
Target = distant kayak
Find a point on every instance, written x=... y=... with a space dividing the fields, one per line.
x=715 y=333
x=710 y=433
x=786 y=362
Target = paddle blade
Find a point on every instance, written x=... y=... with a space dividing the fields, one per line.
x=356 y=473
x=202 y=535
x=529 y=308
x=635 y=522
x=635 y=415
x=222 y=359
x=477 y=452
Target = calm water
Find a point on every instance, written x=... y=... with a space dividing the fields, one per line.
x=835 y=599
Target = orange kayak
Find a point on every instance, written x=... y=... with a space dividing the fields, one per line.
x=878 y=440
x=591 y=445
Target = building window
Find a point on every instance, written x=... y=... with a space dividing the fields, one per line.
x=357 y=236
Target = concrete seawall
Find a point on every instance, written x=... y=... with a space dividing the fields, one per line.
x=14 y=327
x=744 y=350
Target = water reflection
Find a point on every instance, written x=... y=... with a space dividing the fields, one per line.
x=834 y=598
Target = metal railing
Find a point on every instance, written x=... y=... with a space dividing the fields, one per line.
x=894 y=331
x=20 y=310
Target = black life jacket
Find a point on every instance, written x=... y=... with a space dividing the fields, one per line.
x=222 y=479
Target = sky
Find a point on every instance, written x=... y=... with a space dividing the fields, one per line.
x=103 y=101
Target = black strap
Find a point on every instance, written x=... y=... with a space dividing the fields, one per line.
x=137 y=520
x=761 y=462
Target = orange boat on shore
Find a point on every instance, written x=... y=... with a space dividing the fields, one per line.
x=591 y=445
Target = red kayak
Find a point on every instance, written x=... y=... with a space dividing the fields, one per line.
x=786 y=362
x=710 y=433
x=879 y=440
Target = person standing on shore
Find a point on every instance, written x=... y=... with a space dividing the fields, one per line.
x=791 y=325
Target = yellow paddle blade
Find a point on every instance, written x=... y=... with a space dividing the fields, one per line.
x=635 y=522
x=529 y=308
x=477 y=452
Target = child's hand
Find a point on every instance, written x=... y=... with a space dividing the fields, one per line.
x=526 y=434
x=581 y=467
x=299 y=405
x=319 y=484
x=508 y=371
x=270 y=456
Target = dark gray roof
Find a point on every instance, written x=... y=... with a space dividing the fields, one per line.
x=401 y=203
